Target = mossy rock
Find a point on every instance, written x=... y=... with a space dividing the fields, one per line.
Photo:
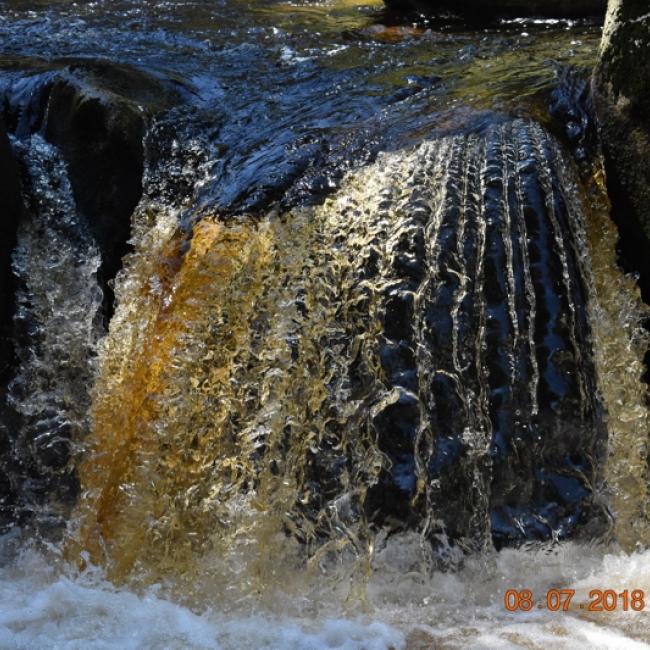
x=622 y=99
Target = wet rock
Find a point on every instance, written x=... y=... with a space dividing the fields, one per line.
x=571 y=107
x=621 y=86
x=101 y=139
x=484 y=10
x=10 y=213
x=396 y=424
x=78 y=148
x=95 y=113
x=493 y=427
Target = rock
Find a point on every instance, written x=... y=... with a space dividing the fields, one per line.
x=10 y=212
x=621 y=89
x=493 y=426
x=81 y=185
x=483 y=10
x=95 y=113
x=101 y=139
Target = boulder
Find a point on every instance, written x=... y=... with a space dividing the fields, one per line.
x=95 y=114
x=487 y=10
x=621 y=85
x=101 y=139
x=493 y=425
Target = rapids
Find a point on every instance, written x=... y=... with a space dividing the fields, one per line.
x=371 y=361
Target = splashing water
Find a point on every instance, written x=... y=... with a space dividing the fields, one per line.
x=58 y=320
x=450 y=610
x=240 y=452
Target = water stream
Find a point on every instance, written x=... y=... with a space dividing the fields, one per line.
x=371 y=363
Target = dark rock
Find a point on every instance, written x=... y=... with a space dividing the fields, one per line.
x=482 y=10
x=101 y=139
x=11 y=209
x=10 y=212
x=95 y=113
x=396 y=425
x=621 y=85
x=398 y=316
x=493 y=427
x=571 y=107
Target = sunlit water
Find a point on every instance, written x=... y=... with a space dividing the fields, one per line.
x=256 y=343
x=46 y=606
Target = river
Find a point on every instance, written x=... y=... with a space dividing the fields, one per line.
x=371 y=361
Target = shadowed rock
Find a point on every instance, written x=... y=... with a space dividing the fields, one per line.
x=101 y=141
x=95 y=113
x=621 y=85
x=79 y=147
x=10 y=212
x=11 y=209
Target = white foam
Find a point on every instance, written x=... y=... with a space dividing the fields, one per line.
x=466 y=608
x=42 y=607
x=39 y=608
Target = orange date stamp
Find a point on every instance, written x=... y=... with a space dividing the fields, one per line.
x=559 y=600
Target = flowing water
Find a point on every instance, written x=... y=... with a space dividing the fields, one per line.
x=371 y=363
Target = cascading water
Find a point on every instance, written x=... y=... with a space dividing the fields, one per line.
x=275 y=390
x=58 y=324
x=350 y=421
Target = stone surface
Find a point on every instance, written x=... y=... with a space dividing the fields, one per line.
x=10 y=211
x=485 y=10
x=101 y=139
x=95 y=113
x=69 y=185
x=622 y=98
x=494 y=425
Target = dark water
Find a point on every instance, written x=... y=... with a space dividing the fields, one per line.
x=286 y=97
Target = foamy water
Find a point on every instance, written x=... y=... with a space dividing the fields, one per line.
x=44 y=604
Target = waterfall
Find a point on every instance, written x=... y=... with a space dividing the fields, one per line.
x=413 y=355
x=57 y=323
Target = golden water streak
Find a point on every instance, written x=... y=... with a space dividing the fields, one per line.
x=215 y=391
x=140 y=394
x=619 y=345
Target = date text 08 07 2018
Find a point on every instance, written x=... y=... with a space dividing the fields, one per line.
x=559 y=600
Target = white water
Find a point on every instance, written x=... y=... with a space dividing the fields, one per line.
x=44 y=604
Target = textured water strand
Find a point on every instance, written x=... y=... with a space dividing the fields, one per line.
x=620 y=342
x=307 y=382
x=58 y=322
